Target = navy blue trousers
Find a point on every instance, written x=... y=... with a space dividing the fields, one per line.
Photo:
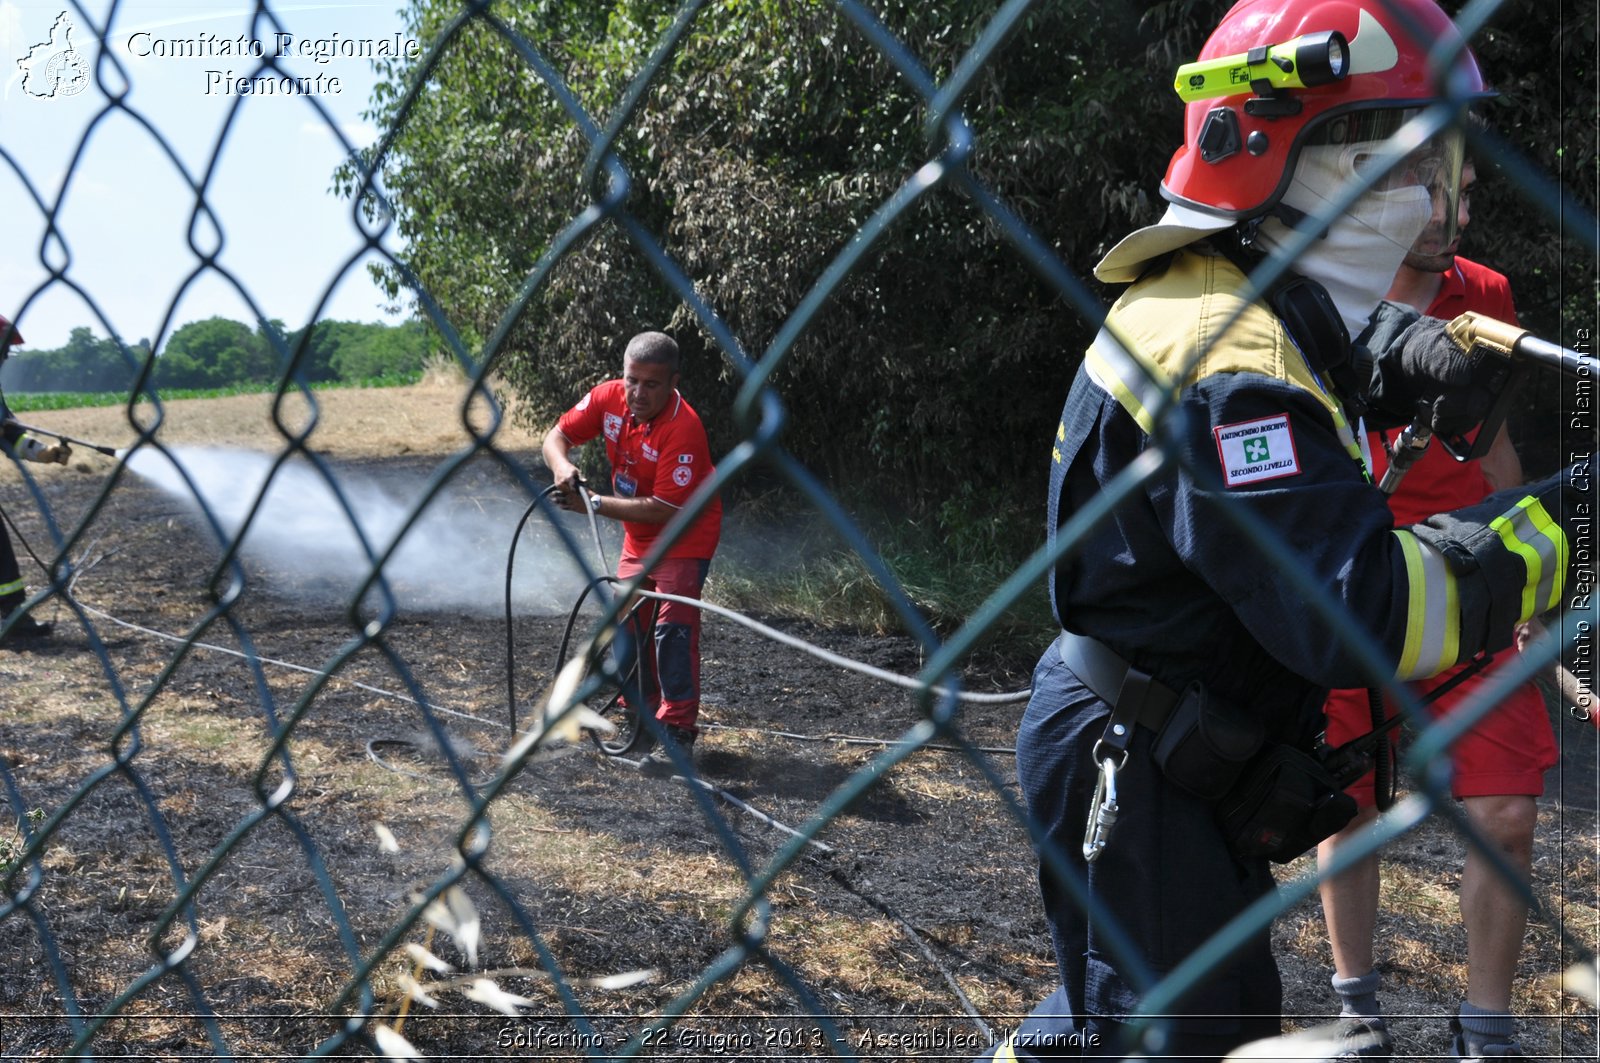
x=1166 y=879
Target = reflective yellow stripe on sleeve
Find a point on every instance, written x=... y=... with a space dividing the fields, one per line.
x=1529 y=532
x=1433 y=611
x=14 y=587
x=1136 y=383
x=1006 y=1053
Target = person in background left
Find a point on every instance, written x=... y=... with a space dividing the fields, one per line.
x=18 y=443
x=659 y=457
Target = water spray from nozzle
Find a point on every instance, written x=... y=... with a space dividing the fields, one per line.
x=307 y=526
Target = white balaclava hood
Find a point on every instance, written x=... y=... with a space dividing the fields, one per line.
x=1357 y=258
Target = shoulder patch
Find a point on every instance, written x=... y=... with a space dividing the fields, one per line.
x=1252 y=451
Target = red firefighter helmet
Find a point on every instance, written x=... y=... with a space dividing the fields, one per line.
x=1239 y=151
x=9 y=336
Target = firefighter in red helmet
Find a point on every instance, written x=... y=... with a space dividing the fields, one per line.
x=1168 y=752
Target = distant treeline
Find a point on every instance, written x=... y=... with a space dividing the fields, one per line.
x=219 y=353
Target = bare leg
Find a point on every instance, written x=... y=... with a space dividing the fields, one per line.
x=1350 y=903
x=1491 y=909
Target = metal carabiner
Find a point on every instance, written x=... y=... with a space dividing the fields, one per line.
x=1102 y=811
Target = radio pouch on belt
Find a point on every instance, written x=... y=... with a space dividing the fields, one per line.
x=1205 y=744
x=1282 y=806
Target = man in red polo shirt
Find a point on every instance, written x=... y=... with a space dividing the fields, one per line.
x=1499 y=765
x=659 y=458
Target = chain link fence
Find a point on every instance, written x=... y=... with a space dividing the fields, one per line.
x=134 y=898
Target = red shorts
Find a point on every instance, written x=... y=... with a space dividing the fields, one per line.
x=1507 y=753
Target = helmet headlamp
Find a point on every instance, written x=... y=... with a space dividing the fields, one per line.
x=1304 y=62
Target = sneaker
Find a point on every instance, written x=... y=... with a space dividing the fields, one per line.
x=659 y=764
x=1363 y=1037
x=25 y=628
x=1467 y=1049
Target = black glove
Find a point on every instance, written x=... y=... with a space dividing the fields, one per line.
x=1418 y=368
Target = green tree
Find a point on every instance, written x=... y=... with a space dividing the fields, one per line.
x=176 y=369
x=216 y=352
x=316 y=364
x=775 y=132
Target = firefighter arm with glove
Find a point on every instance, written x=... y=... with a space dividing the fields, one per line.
x=1433 y=594
x=23 y=445
x=1420 y=372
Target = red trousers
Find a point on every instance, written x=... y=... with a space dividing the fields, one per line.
x=669 y=680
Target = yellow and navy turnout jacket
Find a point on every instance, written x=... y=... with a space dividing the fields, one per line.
x=1175 y=578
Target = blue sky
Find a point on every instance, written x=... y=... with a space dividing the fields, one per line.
x=125 y=211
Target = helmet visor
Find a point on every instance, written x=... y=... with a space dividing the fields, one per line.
x=1389 y=155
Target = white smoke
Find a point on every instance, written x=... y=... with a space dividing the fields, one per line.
x=303 y=541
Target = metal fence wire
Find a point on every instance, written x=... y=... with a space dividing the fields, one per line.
x=152 y=954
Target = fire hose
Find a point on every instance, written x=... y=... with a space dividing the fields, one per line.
x=631 y=732
x=511 y=561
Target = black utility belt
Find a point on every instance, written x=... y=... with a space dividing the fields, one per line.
x=1270 y=800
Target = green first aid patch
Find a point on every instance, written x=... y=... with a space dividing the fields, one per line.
x=1251 y=451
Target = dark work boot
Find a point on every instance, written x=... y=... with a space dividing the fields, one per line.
x=659 y=764
x=24 y=629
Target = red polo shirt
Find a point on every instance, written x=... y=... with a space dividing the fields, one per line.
x=666 y=458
